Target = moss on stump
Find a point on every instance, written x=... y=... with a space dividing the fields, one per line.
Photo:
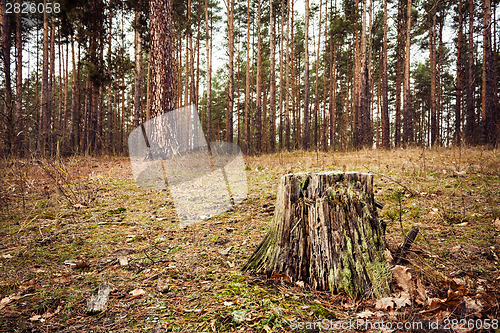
x=326 y=233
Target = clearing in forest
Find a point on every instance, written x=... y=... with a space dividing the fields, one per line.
x=69 y=226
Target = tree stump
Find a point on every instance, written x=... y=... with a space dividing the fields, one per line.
x=326 y=233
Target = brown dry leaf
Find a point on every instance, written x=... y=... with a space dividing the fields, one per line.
x=473 y=306
x=384 y=303
x=402 y=278
x=365 y=314
x=496 y=223
x=281 y=276
x=419 y=294
x=401 y=302
x=7 y=300
x=137 y=292
x=81 y=264
x=37 y=317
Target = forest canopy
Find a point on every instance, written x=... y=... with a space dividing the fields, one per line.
x=268 y=75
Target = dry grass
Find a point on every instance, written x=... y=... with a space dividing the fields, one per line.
x=90 y=209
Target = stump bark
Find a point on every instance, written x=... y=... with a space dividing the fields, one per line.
x=326 y=233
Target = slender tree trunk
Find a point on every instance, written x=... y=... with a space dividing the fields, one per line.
x=230 y=86
x=272 y=89
x=458 y=103
x=111 y=145
x=209 y=75
x=432 y=57
x=439 y=90
x=282 y=88
x=316 y=85
x=258 y=112
x=138 y=71
x=470 y=124
x=408 y=116
x=75 y=112
x=489 y=98
x=400 y=54
x=324 y=128
x=45 y=115
x=247 y=88
x=385 y=99
x=287 y=81
x=20 y=119
x=306 y=131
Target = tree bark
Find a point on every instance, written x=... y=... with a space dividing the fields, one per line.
x=162 y=82
x=20 y=128
x=489 y=99
x=408 y=113
x=432 y=62
x=400 y=54
x=45 y=115
x=385 y=104
x=230 y=86
x=258 y=111
x=138 y=71
x=326 y=233
x=458 y=102
x=306 y=131
x=470 y=124
x=247 y=88
x=272 y=79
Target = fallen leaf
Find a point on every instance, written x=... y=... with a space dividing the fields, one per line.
x=37 y=317
x=123 y=260
x=281 y=276
x=365 y=314
x=473 y=306
x=402 y=278
x=496 y=223
x=420 y=295
x=401 y=302
x=384 y=303
x=300 y=284
x=137 y=292
x=7 y=256
x=81 y=264
x=226 y=251
x=228 y=303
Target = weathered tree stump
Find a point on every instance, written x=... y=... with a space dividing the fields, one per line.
x=326 y=233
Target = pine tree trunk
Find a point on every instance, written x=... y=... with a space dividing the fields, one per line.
x=432 y=62
x=272 y=89
x=458 y=102
x=489 y=99
x=408 y=114
x=306 y=131
x=246 y=122
x=385 y=104
x=45 y=115
x=287 y=82
x=230 y=86
x=20 y=128
x=162 y=82
x=325 y=232
x=399 y=71
x=469 y=125
x=138 y=71
x=258 y=111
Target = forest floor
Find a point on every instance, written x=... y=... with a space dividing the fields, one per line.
x=66 y=225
